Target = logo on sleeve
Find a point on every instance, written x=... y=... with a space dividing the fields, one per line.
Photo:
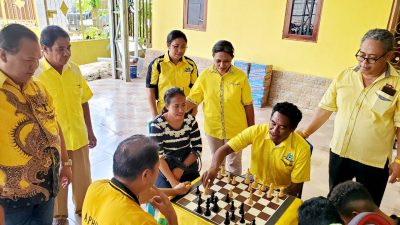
x=188 y=70
x=288 y=159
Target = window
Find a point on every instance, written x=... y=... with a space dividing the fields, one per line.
x=195 y=14
x=302 y=19
x=394 y=27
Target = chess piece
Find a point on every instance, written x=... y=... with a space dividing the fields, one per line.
x=255 y=184
x=271 y=190
x=259 y=190
x=228 y=178
x=242 y=218
x=233 y=216
x=233 y=180
x=231 y=192
x=282 y=192
x=199 y=210
x=232 y=206
x=208 y=212
x=241 y=209
x=199 y=200
x=227 y=221
x=254 y=222
x=227 y=199
x=250 y=199
x=222 y=170
x=212 y=195
x=247 y=179
x=219 y=175
x=250 y=188
x=197 y=190
x=263 y=188
x=208 y=201
x=215 y=207
x=277 y=198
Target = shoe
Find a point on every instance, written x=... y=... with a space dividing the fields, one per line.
x=60 y=220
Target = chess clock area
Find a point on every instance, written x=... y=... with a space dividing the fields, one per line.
x=236 y=200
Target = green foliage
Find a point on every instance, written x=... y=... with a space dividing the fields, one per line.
x=95 y=33
x=88 y=5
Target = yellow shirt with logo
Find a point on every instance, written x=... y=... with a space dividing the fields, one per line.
x=164 y=74
x=283 y=164
x=109 y=204
x=69 y=91
x=366 y=118
x=30 y=144
x=224 y=98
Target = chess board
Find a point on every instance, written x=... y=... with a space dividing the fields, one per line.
x=263 y=210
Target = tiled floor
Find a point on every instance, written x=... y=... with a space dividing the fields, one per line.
x=120 y=109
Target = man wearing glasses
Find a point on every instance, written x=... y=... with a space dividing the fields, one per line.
x=367 y=105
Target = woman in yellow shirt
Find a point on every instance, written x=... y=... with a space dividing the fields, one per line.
x=227 y=102
x=172 y=69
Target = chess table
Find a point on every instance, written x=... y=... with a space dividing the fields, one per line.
x=263 y=210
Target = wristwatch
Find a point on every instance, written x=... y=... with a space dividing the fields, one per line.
x=67 y=163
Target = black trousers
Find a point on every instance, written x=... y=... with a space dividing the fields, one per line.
x=373 y=178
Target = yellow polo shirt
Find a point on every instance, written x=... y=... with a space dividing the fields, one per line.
x=69 y=91
x=366 y=118
x=283 y=164
x=110 y=203
x=30 y=144
x=163 y=75
x=224 y=98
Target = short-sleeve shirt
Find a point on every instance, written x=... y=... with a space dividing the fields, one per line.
x=283 y=164
x=111 y=203
x=224 y=98
x=69 y=91
x=164 y=74
x=366 y=118
x=30 y=144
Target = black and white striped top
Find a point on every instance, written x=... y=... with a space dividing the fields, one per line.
x=170 y=140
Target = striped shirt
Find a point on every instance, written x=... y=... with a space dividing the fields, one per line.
x=171 y=140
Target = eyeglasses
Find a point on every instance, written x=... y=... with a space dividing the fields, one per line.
x=361 y=58
x=176 y=47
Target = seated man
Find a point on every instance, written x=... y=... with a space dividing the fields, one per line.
x=278 y=155
x=135 y=167
x=318 y=211
x=352 y=198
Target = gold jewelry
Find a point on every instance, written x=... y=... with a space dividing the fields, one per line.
x=67 y=163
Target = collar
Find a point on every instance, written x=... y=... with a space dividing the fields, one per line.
x=390 y=70
x=117 y=185
x=214 y=70
x=168 y=59
x=4 y=78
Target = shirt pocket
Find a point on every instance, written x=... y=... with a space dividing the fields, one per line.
x=382 y=102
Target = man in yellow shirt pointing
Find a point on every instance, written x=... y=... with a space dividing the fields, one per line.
x=71 y=94
x=278 y=154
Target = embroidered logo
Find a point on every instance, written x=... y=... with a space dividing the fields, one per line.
x=288 y=159
x=188 y=70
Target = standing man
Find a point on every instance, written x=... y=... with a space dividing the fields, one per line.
x=366 y=101
x=278 y=154
x=31 y=141
x=67 y=86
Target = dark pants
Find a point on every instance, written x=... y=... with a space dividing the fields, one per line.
x=41 y=214
x=374 y=179
x=162 y=181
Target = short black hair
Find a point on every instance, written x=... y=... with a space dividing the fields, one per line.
x=50 y=34
x=11 y=35
x=169 y=94
x=174 y=34
x=134 y=155
x=290 y=111
x=344 y=194
x=318 y=211
x=223 y=46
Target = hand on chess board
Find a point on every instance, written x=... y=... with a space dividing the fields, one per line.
x=208 y=177
x=182 y=188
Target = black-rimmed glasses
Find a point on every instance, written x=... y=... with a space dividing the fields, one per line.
x=361 y=58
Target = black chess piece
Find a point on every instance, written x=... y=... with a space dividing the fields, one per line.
x=199 y=210
x=227 y=221
x=227 y=198
x=242 y=219
x=241 y=209
x=233 y=216
x=254 y=222
x=199 y=199
x=232 y=206
x=215 y=207
x=208 y=201
x=197 y=190
x=212 y=195
x=208 y=212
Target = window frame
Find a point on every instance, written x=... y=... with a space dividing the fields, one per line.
x=288 y=16
x=186 y=25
